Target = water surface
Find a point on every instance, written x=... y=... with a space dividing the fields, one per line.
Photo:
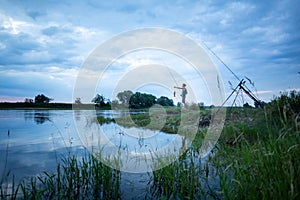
x=34 y=141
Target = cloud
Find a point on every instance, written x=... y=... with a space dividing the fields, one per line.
x=52 y=81
x=255 y=38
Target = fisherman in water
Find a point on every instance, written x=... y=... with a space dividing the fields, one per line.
x=183 y=93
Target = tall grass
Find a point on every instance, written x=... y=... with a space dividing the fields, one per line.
x=263 y=155
x=181 y=179
x=257 y=157
x=85 y=178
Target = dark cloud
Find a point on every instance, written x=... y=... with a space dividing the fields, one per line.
x=24 y=49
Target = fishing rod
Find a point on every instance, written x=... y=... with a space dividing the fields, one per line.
x=174 y=93
x=242 y=82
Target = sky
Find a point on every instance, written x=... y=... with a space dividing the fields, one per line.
x=44 y=44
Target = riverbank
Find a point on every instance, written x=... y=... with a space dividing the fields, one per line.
x=257 y=156
x=49 y=106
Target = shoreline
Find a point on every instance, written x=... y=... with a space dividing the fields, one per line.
x=50 y=106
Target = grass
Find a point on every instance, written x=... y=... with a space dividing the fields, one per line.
x=102 y=120
x=74 y=178
x=171 y=118
x=263 y=156
x=186 y=178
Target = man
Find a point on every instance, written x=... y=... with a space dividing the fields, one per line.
x=183 y=92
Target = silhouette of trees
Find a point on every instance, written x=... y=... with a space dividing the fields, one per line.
x=165 y=101
x=124 y=96
x=41 y=98
x=27 y=100
x=100 y=100
x=78 y=100
x=246 y=105
x=141 y=100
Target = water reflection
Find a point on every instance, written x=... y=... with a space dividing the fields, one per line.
x=39 y=116
x=130 y=149
x=42 y=117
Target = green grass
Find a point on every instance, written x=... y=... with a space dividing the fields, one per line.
x=85 y=178
x=172 y=117
x=102 y=120
x=263 y=156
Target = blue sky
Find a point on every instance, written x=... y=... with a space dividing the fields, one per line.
x=43 y=44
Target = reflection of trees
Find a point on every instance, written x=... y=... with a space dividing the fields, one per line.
x=77 y=114
x=41 y=117
x=28 y=115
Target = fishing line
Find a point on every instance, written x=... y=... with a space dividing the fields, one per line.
x=174 y=93
x=221 y=61
x=248 y=91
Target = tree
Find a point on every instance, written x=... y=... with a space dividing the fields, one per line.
x=124 y=96
x=27 y=100
x=246 y=105
x=142 y=100
x=78 y=100
x=165 y=101
x=99 y=100
x=41 y=98
x=201 y=105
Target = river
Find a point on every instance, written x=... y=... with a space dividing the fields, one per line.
x=33 y=141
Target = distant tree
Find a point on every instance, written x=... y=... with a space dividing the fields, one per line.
x=142 y=100
x=124 y=96
x=41 y=98
x=246 y=105
x=99 y=100
x=165 y=101
x=27 y=100
x=78 y=100
x=115 y=103
x=201 y=105
x=259 y=104
x=287 y=104
x=108 y=102
x=194 y=106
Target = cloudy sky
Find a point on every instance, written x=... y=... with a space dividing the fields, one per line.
x=44 y=44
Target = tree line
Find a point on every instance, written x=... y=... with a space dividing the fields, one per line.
x=126 y=98
x=40 y=98
x=132 y=100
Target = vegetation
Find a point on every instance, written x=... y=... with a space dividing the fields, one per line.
x=138 y=100
x=100 y=101
x=42 y=99
x=141 y=100
x=75 y=178
x=258 y=155
x=21 y=105
x=165 y=101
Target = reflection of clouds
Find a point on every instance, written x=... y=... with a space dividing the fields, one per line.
x=38 y=139
x=128 y=149
x=27 y=161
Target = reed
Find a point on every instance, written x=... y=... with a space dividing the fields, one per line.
x=260 y=160
x=74 y=178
